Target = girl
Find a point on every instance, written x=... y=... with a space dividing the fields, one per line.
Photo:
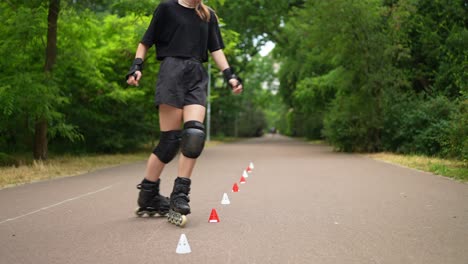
x=183 y=31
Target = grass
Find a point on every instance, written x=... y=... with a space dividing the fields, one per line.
x=63 y=166
x=70 y=165
x=455 y=169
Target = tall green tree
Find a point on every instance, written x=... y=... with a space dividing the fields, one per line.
x=28 y=94
x=372 y=75
x=40 y=139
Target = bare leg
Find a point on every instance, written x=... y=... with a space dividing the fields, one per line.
x=170 y=118
x=197 y=113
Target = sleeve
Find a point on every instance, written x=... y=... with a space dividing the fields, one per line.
x=215 y=40
x=150 y=37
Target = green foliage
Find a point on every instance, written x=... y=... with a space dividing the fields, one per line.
x=85 y=100
x=110 y=117
x=128 y=7
x=365 y=75
x=372 y=75
x=7 y=160
x=258 y=20
x=239 y=116
x=28 y=93
x=456 y=140
x=414 y=124
x=352 y=124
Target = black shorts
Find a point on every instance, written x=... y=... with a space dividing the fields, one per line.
x=181 y=82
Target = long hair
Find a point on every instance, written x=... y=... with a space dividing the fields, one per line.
x=203 y=12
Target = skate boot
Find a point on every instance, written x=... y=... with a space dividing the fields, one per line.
x=179 y=206
x=150 y=202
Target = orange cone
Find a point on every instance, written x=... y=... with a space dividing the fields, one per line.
x=242 y=180
x=235 y=188
x=213 y=216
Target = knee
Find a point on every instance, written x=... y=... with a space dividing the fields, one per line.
x=193 y=139
x=168 y=146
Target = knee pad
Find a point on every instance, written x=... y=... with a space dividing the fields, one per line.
x=168 y=146
x=193 y=139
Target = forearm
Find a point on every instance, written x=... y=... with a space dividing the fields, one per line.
x=141 y=51
x=220 y=59
x=134 y=74
x=234 y=81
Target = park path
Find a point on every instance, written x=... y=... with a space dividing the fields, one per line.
x=303 y=203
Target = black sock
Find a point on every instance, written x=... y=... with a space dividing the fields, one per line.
x=147 y=181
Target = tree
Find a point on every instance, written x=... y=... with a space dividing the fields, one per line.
x=40 y=139
x=372 y=75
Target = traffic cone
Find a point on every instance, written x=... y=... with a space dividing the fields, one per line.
x=251 y=165
x=245 y=174
x=249 y=170
x=183 y=246
x=225 y=199
x=213 y=216
x=242 y=180
x=235 y=188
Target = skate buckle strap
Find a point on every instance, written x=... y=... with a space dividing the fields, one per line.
x=148 y=187
x=182 y=196
x=182 y=189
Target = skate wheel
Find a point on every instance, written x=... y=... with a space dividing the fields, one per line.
x=182 y=220
x=151 y=214
x=139 y=213
x=169 y=217
x=176 y=219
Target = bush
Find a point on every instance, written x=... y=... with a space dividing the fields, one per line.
x=352 y=124
x=7 y=160
x=456 y=143
x=416 y=124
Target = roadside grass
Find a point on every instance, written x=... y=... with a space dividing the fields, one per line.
x=71 y=165
x=316 y=142
x=455 y=169
x=62 y=166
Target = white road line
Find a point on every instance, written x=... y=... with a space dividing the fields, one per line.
x=57 y=204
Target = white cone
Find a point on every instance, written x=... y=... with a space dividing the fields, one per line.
x=251 y=165
x=245 y=174
x=183 y=246
x=225 y=199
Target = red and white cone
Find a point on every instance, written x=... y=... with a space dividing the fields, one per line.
x=242 y=180
x=213 y=216
x=249 y=170
x=235 y=188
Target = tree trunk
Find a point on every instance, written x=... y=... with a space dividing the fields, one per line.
x=40 y=137
x=51 y=50
x=40 y=140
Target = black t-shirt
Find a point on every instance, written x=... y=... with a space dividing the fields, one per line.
x=178 y=31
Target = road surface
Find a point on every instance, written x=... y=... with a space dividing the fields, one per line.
x=303 y=203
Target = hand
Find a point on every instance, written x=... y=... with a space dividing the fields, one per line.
x=236 y=86
x=135 y=78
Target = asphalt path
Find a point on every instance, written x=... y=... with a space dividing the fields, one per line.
x=302 y=203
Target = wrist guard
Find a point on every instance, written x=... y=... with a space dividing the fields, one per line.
x=229 y=74
x=136 y=66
